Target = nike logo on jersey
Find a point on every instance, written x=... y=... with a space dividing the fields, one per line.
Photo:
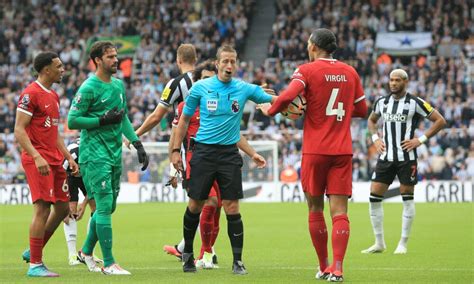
x=47 y=106
x=209 y=91
x=103 y=100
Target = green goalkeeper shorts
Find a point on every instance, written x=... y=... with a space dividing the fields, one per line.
x=101 y=178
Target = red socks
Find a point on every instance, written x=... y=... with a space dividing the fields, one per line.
x=207 y=227
x=36 y=250
x=340 y=239
x=215 y=231
x=319 y=237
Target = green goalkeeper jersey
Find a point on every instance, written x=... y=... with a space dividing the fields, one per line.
x=93 y=99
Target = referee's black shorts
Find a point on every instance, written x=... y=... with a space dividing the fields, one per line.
x=75 y=184
x=385 y=172
x=216 y=162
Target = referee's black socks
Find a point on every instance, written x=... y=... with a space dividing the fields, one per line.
x=190 y=224
x=235 y=229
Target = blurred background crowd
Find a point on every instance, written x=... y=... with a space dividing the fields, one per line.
x=443 y=75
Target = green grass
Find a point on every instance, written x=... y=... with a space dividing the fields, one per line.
x=277 y=246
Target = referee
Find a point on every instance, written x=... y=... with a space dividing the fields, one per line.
x=401 y=113
x=216 y=157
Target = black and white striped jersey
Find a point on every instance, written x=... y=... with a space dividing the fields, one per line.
x=73 y=148
x=400 y=119
x=176 y=90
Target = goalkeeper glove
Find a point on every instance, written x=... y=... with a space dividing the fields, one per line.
x=142 y=155
x=111 y=117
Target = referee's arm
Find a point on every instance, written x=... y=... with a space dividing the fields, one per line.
x=180 y=132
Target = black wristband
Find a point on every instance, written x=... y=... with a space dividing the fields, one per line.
x=177 y=150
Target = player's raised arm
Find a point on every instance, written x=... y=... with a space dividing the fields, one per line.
x=284 y=99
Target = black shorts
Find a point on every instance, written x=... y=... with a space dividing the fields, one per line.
x=74 y=184
x=385 y=172
x=216 y=162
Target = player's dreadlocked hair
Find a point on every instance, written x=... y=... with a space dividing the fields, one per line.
x=324 y=39
x=208 y=65
x=98 y=49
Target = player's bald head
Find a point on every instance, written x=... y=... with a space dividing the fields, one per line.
x=400 y=73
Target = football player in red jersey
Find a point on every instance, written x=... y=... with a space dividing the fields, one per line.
x=334 y=94
x=36 y=129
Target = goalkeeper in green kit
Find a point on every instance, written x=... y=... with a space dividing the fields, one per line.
x=99 y=109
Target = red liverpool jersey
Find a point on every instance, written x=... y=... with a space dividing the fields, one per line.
x=43 y=107
x=333 y=91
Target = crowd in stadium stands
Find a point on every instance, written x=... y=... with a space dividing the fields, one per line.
x=442 y=79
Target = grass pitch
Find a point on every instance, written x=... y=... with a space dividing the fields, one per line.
x=277 y=246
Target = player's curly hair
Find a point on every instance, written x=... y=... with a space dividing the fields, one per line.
x=98 y=49
x=324 y=39
x=43 y=59
x=208 y=65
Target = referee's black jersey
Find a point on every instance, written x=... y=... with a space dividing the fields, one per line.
x=400 y=119
x=176 y=90
x=73 y=148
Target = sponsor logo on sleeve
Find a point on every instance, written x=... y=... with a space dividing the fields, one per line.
x=25 y=100
x=165 y=94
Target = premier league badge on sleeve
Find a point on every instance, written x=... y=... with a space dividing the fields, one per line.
x=235 y=106
x=211 y=105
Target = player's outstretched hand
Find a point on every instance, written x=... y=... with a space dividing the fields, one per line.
x=268 y=90
x=408 y=145
x=112 y=116
x=264 y=108
x=142 y=155
x=259 y=160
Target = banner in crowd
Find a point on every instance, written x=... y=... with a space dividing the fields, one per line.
x=403 y=41
x=434 y=191
x=126 y=45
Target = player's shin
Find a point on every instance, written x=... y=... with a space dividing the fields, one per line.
x=70 y=232
x=190 y=224
x=340 y=239
x=207 y=226
x=376 y=218
x=407 y=217
x=235 y=230
x=319 y=237
x=91 y=239
x=104 y=233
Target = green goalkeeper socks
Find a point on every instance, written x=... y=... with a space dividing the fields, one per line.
x=91 y=239
x=104 y=232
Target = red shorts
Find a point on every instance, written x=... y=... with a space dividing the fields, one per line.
x=325 y=174
x=50 y=188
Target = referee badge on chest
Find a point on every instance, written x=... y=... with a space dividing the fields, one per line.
x=211 y=105
x=235 y=106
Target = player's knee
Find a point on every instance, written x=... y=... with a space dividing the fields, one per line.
x=104 y=208
x=212 y=201
x=195 y=206
x=231 y=207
